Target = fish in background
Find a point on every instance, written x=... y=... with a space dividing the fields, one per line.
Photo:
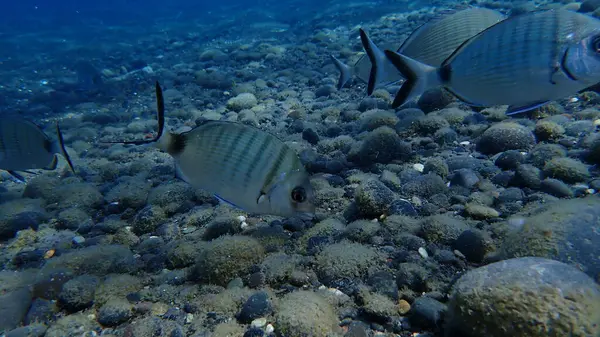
x=242 y=165
x=24 y=146
x=431 y=44
x=525 y=61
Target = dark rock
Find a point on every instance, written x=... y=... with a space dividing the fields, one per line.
x=310 y=136
x=556 y=188
x=78 y=293
x=384 y=283
x=13 y=308
x=511 y=194
x=114 y=312
x=426 y=312
x=464 y=177
x=357 y=329
x=41 y=311
x=402 y=207
x=425 y=186
x=324 y=91
x=258 y=305
x=527 y=176
x=509 y=160
x=472 y=244
x=34 y=330
x=503 y=178
x=434 y=99
x=372 y=197
x=589 y=6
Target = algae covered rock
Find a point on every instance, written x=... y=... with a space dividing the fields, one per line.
x=505 y=136
x=566 y=230
x=381 y=145
x=373 y=197
x=20 y=214
x=345 y=260
x=525 y=297
x=228 y=257
x=304 y=313
x=242 y=101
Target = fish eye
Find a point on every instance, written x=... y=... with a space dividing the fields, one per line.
x=596 y=44
x=299 y=194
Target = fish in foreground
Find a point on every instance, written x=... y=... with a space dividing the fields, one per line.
x=24 y=146
x=523 y=62
x=242 y=165
x=431 y=44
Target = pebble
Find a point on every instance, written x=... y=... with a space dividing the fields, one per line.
x=269 y=329
x=403 y=307
x=419 y=167
x=78 y=240
x=423 y=252
x=259 y=322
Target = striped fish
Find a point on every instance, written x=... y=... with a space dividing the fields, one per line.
x=431 y=44
x=240 y=164
x=24 y=146
x=524 y=62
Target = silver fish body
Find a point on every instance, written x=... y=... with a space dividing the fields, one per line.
x=434 y=41
x=431 y=44
x=248 y=168
x=244 y=166
x=522 y=62
x=24 y=146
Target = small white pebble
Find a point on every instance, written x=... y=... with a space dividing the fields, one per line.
x=189 y=318
x=335 y=291
x=459 y=254
x=241 y=218
x=269 y=330
x=590 y=191
x=244 y=225
x=91 y=316
x=574 y=100
x=596 y=122
x=419 y=167
x=465 y=143
x=423 y=252
x=321 y=287
x=416 y=201
x=259 y=322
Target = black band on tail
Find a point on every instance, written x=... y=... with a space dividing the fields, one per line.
x=407 y=73
x=160 y=108
x=61 y=142
x=373 y=73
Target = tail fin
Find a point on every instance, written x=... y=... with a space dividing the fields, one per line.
x=377 y=58
x=345 y=72
x=160 y=108
x=63 y=151
x=419 y=77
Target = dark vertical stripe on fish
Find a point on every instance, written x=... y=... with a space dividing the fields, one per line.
x=255 y=160
x=215 y=141
x=554 y=58
x=232 y=146
x=244 y=152
x=276 y=165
